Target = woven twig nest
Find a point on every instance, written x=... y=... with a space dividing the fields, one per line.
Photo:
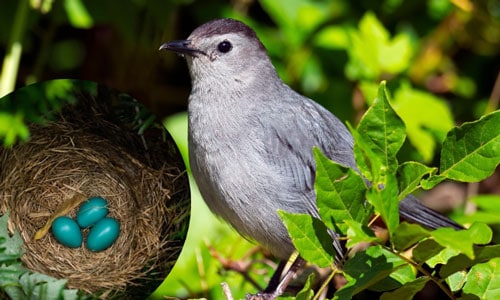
x=88 y=151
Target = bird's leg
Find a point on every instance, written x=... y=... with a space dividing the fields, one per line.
x=272 y=292
x=289 y=275
x=275 y=279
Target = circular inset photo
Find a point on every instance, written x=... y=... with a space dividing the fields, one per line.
x=93 y=187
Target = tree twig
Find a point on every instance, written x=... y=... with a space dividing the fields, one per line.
x=240 y=267
x=227 y=291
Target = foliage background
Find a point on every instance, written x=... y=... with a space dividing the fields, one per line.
x=440 y=57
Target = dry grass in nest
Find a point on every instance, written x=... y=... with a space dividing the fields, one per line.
x=144 y=182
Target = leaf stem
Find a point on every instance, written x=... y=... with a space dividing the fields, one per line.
x=325 y=283
x=494 y=97
x=438 y=282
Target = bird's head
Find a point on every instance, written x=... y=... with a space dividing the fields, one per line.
x=223 y=50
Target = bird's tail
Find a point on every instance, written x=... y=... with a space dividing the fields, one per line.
x=412 y=210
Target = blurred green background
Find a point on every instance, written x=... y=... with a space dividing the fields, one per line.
x=440 y=57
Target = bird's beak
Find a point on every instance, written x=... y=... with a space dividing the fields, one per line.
x=181 y=47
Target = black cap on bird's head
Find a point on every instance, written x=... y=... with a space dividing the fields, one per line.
x=223 y=26
x=211 y=28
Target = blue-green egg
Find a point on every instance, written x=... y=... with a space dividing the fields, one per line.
x=67 y=232
x=91 y=211
x=103 y=234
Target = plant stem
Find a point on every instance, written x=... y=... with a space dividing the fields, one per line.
x=13 y=56
x=423 y=271
x=325 y=283
x=494 y=97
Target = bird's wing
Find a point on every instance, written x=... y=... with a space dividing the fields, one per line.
x=301 y=125
x=289 y=143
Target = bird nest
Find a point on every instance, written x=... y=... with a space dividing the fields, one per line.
x=87 y=152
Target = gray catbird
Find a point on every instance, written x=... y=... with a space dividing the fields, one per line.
x=251 y=137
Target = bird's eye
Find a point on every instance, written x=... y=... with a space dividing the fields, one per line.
x=225 y=46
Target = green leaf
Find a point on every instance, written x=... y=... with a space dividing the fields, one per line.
x=369 y=89
x=17 y=281
x=78 y=15
x=407 y=291
x=307 y=292
x=397 y=54
x=489 y=203
x=456 y=281
x=400 y=276
x=9 y=244
x=340 y=194
x=429 y=250
x=488 y=210
x=366 y=158
x=385 y=131
x=367 y=268
x=483 y=280
x=463 y=240
x=385 y=55
x=310 y=237
x=332 y=37
x=407 y=235
x=409 y=176
x=491 y=218
x=427 y=118
x=9 y=280
x=358 y=233
x=462 y=262
x=12 y=127
x=40 y=286
x=471 y=152
x=10 y=264
x=59 y=92
x=297 y=18
x=383 y=195
x=432 y=181
x=442 y=257
x=377 y=139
